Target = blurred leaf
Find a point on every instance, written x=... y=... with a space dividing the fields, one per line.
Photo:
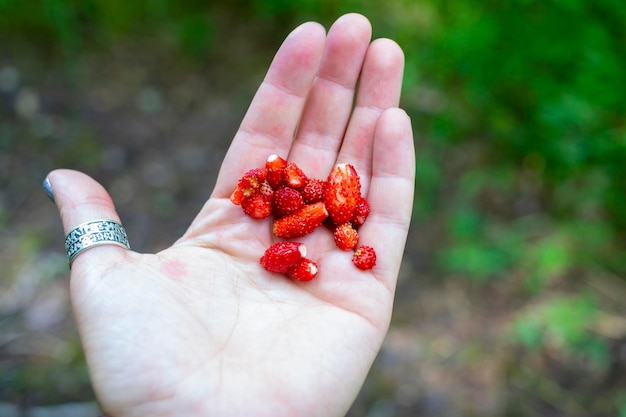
x=546 y=260
x=195 y=35
x=563 y=322
x=529 y=331
x=567 y=319
x=427 y=182
x=465 y=224
x=478 y=261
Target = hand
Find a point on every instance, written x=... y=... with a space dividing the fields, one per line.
x=201 y=328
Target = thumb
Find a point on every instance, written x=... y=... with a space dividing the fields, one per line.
x=80 y=199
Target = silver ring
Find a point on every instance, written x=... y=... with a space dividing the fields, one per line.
x=94 y=233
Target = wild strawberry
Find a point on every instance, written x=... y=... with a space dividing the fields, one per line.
x=287 y=201
x=257 y=206
x=313 y=190
x=275 y=166
x=265 y=189
x=302 y=222
x=361 y=212
x=345 y=236
x=282 y=256
x=364 y=257
x=305 y=270
x=294 y=176
x=343 y=191
x=237 y=196
x=248 y=184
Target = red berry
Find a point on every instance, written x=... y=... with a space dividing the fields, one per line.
x=302 y=222
x=364 y=257
x=275 y=166
x=282 y=256
x=313 y=190
x=294 y=176
x=305 y=270
x=302 y=204
x=361 y=212
x=343 y=191
x=345 y=236
x=257 y=206
x=265 y=189
x=287 y=201
x=248 y=185
x=237 y=196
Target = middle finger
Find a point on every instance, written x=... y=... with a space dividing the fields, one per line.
x=330 y=100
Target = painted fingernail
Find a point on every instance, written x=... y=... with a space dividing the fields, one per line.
x=48 y=189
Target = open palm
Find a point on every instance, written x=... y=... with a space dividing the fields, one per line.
x=201 y=328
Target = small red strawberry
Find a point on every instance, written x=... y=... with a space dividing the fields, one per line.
x=257 y=206
x=343 y=191
x=237 y=196
x=364 y=257
x=282 y=256
x=294 y=176
x=345 y=236
x=302 y=222
x=361 y=212
x=248 y=184
x=313 y=190
x=275 y=166
x=265 y=189
x=287 y=201
x=305 y=270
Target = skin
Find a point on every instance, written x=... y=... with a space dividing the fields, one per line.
x=200 y=328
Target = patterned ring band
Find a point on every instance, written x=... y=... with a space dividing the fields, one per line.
x=94 y=233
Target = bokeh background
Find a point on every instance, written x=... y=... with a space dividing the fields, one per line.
x=512 y=294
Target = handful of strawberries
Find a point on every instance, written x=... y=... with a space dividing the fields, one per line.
x=299 y=205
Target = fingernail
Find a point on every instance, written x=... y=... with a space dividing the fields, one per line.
x=48 y=189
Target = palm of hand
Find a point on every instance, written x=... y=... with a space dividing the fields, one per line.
x=201 y=328
x=239 y=337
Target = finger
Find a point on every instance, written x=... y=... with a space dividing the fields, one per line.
x=270 y=123
x=379 y=89
x=391 y=193
x=330 y=102
x=80 y=199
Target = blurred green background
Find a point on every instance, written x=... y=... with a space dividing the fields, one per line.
x=511 y=295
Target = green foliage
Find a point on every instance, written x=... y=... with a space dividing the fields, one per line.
x=513 y=79
x=563 y=323
x=518 y=107
x=324 y=11
x=622 y=406
x=71 y=27
x=530 y=117
x=476 y=250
